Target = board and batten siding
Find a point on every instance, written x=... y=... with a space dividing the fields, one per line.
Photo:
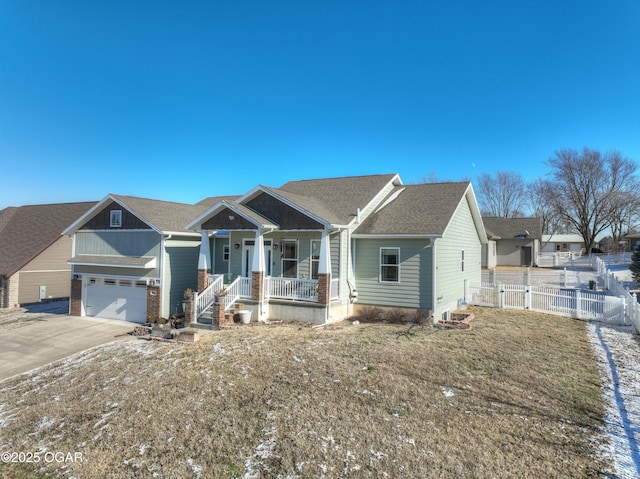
x=460 y=235
x=414 y=288
x=180 y=273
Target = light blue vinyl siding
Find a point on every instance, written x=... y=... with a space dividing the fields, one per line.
x=414 y=288
x=220 y=266
x=180 y=273
x=461 y=234
x=120 y=243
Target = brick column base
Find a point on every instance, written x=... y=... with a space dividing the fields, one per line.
x=324 y=288
x=75 y=298
x=217 y=311
x=153 y=303
x=203 y=279
x=187 y=304
x=256 y=285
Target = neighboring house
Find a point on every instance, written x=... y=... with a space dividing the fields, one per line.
x=563 y=243
x=633 y=240
x=133 y=258
x=512 y=241
x=311 y=249
x=34 y=254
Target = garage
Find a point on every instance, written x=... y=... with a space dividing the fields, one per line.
x=116 y=298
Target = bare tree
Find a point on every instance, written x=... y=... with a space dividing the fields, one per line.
x=542 y=206
x=587 y=186
x=624 y=213
x=503 y=195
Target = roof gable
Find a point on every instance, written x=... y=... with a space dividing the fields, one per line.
x=342 y=196
x=510 y=228
x=161 y=216
x=26 y=231
x=424 y=209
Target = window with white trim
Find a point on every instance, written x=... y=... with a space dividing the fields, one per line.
x=462 y=260
x=315 y=258
x=115 y=218
x=290 y=259
x=390 y=265
x=225 y=252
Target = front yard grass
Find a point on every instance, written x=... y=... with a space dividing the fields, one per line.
x=518 y=395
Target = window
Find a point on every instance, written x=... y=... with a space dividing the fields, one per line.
x=462 y=261
x=315 y=258
x=225 y=253
x=290 y=259
x=115 y=220
x=390 y=265
x=110 y=282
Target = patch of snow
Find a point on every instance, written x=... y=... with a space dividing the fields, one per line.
x=197 y=470
x=618 y=355
x=143 y=448
x=447 y=392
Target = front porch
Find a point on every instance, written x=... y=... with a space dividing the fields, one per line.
x=277 y=290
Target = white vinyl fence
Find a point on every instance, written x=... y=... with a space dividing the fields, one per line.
x=573 y=303
x=559 y=278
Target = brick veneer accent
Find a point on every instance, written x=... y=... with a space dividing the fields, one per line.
x=75 y=299
x=188 y=309
x=256 y=285
x=153 y=303
x=324 y=288
x=203 y=279
x=217 y=311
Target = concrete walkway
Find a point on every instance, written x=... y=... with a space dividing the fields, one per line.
x=50 y=338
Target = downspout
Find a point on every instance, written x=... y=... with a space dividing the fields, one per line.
x=434 y=272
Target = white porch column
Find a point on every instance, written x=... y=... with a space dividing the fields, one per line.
x=324 y=264
x=204 y=260
x=258 y=253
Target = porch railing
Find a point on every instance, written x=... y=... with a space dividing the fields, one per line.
x=239 y=288
x=206 y=297
x=292 y=288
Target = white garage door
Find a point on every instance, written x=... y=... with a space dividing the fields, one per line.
x=116 y=298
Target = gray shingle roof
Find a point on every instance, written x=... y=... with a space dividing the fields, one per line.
x=508 y=228
x=424 y=209
x=26 y=231
x=164 y=215
x=213 y=200
x=339 y=196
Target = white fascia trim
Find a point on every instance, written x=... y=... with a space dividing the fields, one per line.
x=470 y=196
x=295 y=206
x=396 y=179
x=394 y=236
x=195 y=224
x=97 y=208
x=181 y=233
x=89 y=214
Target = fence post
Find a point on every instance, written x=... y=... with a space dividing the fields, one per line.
x=527 y=276
x=493 y=276
x=500 y=296
x=578 y=305
x=623 y=309
x=527 y=296
x=564 y=277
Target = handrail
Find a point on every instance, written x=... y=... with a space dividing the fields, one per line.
x=206 y=297
x=240 y=287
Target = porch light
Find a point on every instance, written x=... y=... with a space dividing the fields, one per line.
x=236 y=245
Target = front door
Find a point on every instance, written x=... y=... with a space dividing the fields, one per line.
x=247 y=257
x=526 y=256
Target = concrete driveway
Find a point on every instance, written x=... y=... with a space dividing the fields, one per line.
x=49 y=338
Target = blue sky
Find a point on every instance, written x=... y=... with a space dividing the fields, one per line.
x=182 y=100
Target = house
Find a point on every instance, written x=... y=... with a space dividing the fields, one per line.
x=633 y=241
x=563 y=243
x=33 y=254
x=320 y=249
x=512 y=241
x=133 y=258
